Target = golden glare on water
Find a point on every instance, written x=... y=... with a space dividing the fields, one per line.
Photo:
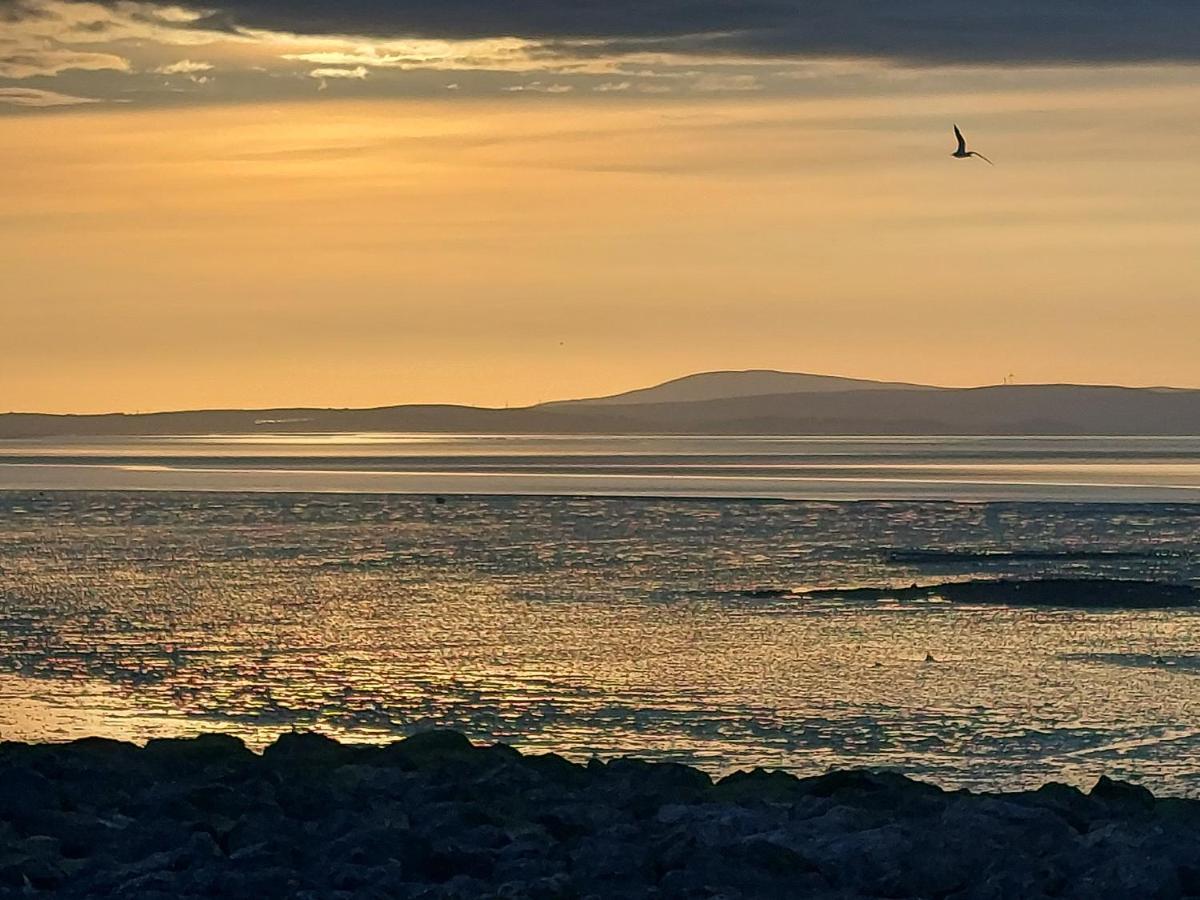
x=1129 y=469
x=666 y=628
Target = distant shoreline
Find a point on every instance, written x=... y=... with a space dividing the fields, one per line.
x=712 y=403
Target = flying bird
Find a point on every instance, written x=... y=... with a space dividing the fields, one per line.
x=963 y=153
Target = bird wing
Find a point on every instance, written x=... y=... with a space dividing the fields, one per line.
x=981 y=156
x=962 y=141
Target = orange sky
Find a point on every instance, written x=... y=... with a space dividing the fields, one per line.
x=351 y=252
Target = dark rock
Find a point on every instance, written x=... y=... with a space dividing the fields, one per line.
x=1075 y=807
x=306 y=748
x=265 y=882
x=152 y=837
x=555 y=769
x=504 y=752
x=901 y=862
x=759 y=784
x=202 y=847
x=369 y=782
x=379 y=844
x=204 y=750
x=885 y=791
x=610 y=860
x=648 y=786
x=678 y=850
x=535 y=868
x=1120 y=794
x=552 y=887
x=449 y=861
x=983 y=825
x=33 y=862
x=348 y=877
x=1003 y=886
x=461 y=887
x=79 y=834
x=766 y=856
x=101 y=751
x=433 y=816
x=265 y=829
x=306 y=799
x=425 y=748
x=25 y=793
x=1129 y=874
x=41 y=847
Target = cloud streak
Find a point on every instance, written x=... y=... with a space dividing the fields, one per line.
x=40 y=99
x=185 y=67
x=538 y=87
x=359 y=73
x=32 y=62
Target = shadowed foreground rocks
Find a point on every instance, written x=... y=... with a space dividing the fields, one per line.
x=433 y=816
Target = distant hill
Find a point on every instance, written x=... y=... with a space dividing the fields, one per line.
x=710 y=403
x=749 y=383
x=999 y=410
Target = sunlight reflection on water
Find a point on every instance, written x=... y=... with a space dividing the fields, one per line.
x=1121 y=469
x=603 y=625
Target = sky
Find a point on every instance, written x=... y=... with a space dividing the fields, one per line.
x=253 y=203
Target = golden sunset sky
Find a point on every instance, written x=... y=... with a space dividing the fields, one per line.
x=273 y=204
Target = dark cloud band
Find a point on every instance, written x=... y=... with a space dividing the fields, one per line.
x=931 y=31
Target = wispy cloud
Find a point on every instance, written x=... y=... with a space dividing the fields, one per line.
x=185 y=67
x=21 y=62
x=717 y=83
x=499 y=54
x=78 y=22
x=332 y=72
x=34 y=97
x=538 y=87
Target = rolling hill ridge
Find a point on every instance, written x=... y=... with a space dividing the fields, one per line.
x=752 y=402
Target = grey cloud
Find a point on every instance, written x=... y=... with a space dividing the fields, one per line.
x=915 y=31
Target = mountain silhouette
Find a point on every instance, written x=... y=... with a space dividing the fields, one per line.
x=752 y=402
x=748 y=383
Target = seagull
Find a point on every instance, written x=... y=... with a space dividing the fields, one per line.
x=963 y=153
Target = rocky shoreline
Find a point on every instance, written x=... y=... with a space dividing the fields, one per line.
x=433 y=816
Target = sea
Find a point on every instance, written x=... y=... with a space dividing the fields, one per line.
x=610 y=595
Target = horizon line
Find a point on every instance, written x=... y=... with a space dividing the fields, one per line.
x=568 y=400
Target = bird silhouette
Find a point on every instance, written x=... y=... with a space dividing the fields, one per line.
x=963 y=153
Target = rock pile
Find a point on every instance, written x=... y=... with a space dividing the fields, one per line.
x=433 y=816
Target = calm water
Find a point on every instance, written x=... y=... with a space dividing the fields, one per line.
x=602 y=624
x=950 y=468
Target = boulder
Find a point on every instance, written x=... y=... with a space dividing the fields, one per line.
x=1120 y=795
x=759 y=784
x=306 y=748
x=204 y=750
x=25 y=793
x=427 y=748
